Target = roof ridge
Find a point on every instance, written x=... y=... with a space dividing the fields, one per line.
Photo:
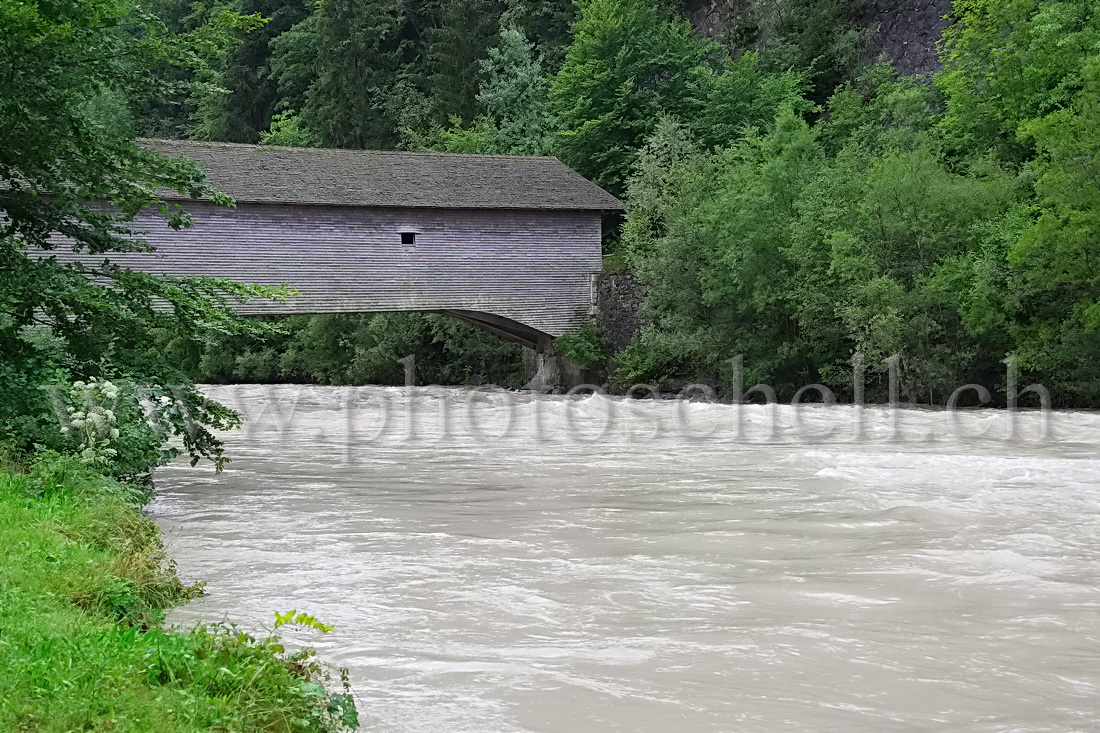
x=347 y=177
x=304 y=149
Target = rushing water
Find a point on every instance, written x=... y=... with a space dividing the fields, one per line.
x=499 y=562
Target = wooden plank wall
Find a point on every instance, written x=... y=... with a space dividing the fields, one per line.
x=532 y=267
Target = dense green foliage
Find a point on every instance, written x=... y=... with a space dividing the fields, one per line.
x=362 y=73
x=517 y=114
x=1009 y=62
x=359 y=47
x=949 y=224
x=630 y=61
x=788 y=200
x=587 y=346
x=70 y=75
x=824 y=38
x=366 y=73
x=355 y=349
x=251 y=90
x=84 y=585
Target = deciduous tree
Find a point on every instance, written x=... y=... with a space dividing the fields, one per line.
x=71 y=177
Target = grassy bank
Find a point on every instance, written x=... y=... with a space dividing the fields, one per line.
x=84 y=586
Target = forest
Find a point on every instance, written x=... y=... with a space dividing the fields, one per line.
x=790 y=197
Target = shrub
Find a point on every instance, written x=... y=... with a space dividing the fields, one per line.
x=587 y=346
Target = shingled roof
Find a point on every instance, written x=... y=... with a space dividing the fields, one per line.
x=326 y=176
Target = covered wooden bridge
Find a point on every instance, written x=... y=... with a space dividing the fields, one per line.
x=509 y=243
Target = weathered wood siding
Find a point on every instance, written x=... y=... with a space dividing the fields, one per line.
x=532 y=267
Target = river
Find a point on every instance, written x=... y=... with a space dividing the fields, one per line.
x=500 y=562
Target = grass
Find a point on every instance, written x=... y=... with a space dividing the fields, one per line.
x=84 y=587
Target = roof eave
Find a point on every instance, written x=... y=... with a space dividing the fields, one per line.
x=619 y=206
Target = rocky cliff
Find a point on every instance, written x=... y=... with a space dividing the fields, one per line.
x=902 y=32
x=905 y=32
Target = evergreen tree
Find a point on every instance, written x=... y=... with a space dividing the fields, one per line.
x=518 y=118
x=170 y=111
x=546 y=25
x=359 y=56
x=245 y=111
x=293 y=66
x=462 y=32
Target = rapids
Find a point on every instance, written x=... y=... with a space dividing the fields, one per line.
x=495 y=561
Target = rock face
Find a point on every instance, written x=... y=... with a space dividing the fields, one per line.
x=905 y=33
x=619 y=298
x=714 y=18
x=902 y=32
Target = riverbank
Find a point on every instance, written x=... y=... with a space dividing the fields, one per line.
x=85 y=584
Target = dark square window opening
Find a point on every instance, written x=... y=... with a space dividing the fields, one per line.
x=408 y=237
